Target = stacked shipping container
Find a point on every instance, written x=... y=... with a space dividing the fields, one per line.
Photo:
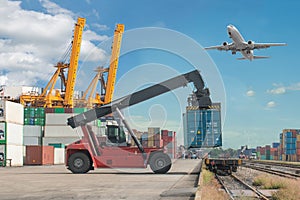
x=287 y=149
x=11 y=133
x=202 y=128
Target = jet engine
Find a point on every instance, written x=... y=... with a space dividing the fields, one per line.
x=225 y=43
x=251 y=44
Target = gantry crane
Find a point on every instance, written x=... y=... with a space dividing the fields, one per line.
x=89 y=98
x=63 y=98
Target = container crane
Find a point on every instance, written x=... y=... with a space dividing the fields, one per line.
x=64 y=98
x=108 y=86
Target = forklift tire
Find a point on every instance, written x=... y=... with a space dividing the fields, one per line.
x=160 y=163
x=79 y=163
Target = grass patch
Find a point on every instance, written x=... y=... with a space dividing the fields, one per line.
x=287 y=189
x=210 y=187
x=291 y=191
x=207 y=176
x=269 y=182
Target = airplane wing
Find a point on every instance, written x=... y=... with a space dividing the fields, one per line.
x=266 y=45
x=223 y=47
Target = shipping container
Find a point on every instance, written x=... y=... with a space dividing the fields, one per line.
x=15 y=153
x=39 y=155
x=2 y=155
x=11 y=112
x=203 y=123
x=62 y=131
x=33 y=131
x=59 y=156
x=14 y=134
x=29 y=140
x=275 y=144
x=57 y=118
x=2 y=133
x=64 y=140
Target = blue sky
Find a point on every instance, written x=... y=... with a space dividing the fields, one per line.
x=261 y=96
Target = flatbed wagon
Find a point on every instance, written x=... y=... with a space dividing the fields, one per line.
x=223 y=166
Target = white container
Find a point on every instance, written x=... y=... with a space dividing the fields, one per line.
x=14 y=134
x=62 y=131
x=2 y=132
x=27 y=141
x=32 y=131
x=58 y=118
x=2 y=151
x=15 y=153
x=11 y=112
x=59 y=156
x=63 y=140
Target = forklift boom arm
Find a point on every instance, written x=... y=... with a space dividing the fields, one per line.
x=202 y=94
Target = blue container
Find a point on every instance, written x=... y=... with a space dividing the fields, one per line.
x=288 y=134
x=275 y=144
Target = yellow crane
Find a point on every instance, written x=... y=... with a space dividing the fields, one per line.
x=63 y=98
x=89 y=98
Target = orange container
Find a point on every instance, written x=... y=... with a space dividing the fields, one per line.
x=39 y=155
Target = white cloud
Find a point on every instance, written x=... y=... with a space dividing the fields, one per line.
x=271 y=104
x=32 y=42
x=250 y=93
x=100 y=27
x=53 y=8
x=281 y=89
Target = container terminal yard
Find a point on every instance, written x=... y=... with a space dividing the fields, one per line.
x=61 y=142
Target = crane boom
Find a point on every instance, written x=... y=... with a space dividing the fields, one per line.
x=113 y=66
x=202 y=94
x=72 y=71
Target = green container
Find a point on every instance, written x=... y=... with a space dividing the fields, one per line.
x=39 y=112
x=39 y=121
x=59 y=110
x=26 y=121
x=98 y=123
x=79 y=110
x=28 y=112
x=57 y=145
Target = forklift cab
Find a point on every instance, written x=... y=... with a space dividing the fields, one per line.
x=116 y=135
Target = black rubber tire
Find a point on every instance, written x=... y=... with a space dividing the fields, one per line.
x=79 y=163
x=160 y=163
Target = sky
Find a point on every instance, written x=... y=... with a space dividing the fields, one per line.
x=163 y=39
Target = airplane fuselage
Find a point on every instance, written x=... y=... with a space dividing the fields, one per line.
x=239 y=41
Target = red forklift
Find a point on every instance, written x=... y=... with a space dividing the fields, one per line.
x=112 y=151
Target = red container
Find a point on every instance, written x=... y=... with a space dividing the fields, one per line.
x=145 y=143
x=298 y=145
x=39 y=155
x=68 y=110
x=49 y=110
x=298 y=152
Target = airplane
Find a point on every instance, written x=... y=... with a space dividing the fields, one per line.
x=239 y=44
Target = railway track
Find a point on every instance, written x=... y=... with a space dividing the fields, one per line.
x=278 y=170
x=237 y=188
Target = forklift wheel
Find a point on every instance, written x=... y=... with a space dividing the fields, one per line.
x=79 y=163
x=160 y=163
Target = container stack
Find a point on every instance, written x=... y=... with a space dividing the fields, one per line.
x=11 y=133
x=56 y=130
x=154 y=137
x=202 y=127
x=34 y=116
x=169 y=142
x=298 y=148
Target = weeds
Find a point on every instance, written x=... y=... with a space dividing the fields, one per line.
x=287 y=189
